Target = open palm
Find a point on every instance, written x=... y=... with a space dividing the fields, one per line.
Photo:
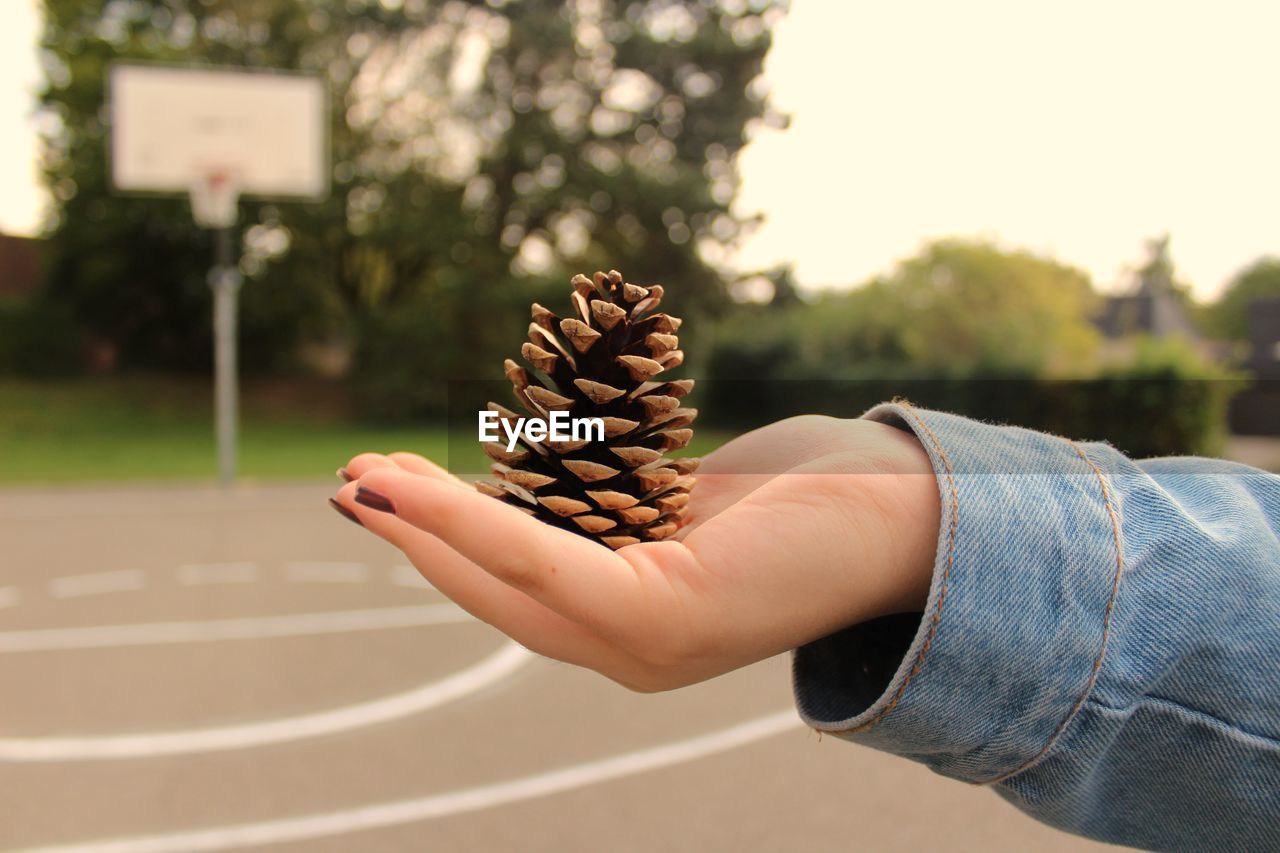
x=794 y=531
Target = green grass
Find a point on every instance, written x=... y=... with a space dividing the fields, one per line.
x=156 y=429
x=148 y=429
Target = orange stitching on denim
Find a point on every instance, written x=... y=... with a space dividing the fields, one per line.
x=1106 y=622
x=946 y=575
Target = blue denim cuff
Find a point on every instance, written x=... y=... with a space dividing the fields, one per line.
x=1009 y=645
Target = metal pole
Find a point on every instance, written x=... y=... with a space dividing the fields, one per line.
x=225 y=280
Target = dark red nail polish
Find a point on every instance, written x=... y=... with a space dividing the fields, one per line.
x=373 y=500
x=344 y=512
x=344 y=475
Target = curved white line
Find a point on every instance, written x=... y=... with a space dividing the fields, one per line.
x=489 y=671
x=441 y=805
x=242 y=628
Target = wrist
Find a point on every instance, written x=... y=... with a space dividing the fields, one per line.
x=912 y=516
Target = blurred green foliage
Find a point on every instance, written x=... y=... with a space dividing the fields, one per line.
x=957 y=309
x=479 y=149
x=38 y=338
x=1167 y=400
x=1229 y=316
x=967 y=327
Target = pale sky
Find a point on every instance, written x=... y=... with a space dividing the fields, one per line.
x=1075 y=129
x=21 y=197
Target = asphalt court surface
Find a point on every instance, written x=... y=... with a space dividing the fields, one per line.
x=197 y=669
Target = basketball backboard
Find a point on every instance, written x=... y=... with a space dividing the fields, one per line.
x=175 y=128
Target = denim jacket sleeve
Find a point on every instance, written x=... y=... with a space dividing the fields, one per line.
x=1101 y=641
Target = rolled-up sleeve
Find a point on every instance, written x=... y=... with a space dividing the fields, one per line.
x=1095 y=631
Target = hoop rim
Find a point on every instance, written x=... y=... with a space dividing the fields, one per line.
x=215 y=196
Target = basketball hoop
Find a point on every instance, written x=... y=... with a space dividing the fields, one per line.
x=215 y=135
x=214 y=198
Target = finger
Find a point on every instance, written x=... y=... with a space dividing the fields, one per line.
x=362 y=464
x=488 y=599
x=571 y=575
x=416 y=464
x=411 y=462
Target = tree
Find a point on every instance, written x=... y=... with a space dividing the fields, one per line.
x=1229 y=316
x=963 y=308
x=132 y=269
x=479 y=148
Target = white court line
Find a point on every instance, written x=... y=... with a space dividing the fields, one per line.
x=244 y=628
x=463 y=683
x=399 y=812
x=403 y=575
x=327 y=572
x=98 y=583
x=8 y=596
x=208 y=574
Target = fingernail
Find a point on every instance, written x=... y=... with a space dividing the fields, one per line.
x=344 y=512
x=373 y=500
x=343 y=475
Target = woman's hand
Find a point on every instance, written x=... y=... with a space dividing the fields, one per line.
x=795 y=530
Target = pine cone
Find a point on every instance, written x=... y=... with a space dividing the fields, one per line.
x=603 y=362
